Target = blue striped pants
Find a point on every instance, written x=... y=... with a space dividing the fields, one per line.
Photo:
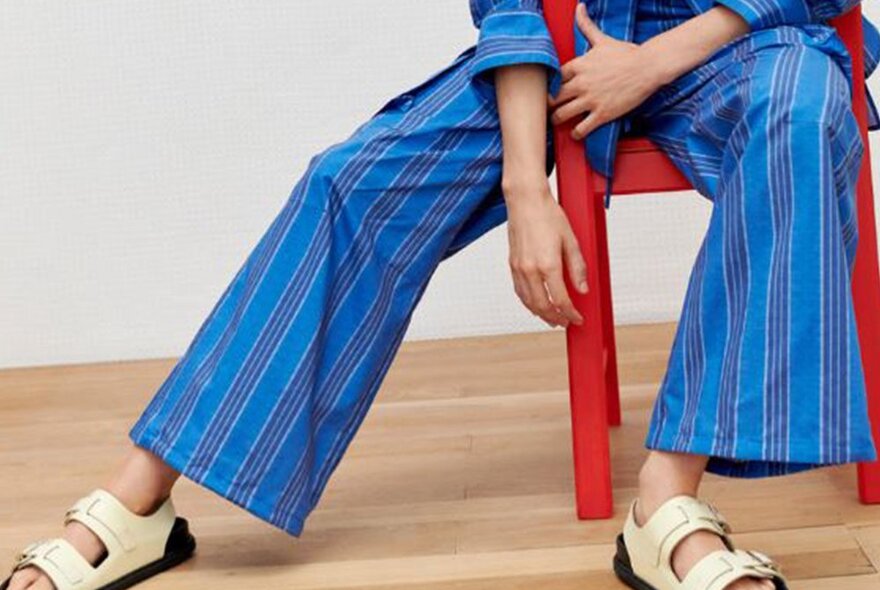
x=764 y=374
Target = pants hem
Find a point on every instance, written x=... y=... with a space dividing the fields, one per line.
x=217 y=483
x=749 y=460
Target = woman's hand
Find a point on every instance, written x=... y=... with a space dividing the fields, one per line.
x=542 y=245
x=611 y=79
x=614 y=76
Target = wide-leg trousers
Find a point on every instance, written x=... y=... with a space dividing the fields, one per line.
x=764 y=374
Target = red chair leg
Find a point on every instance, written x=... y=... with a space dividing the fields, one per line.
x=866 y=297
x=612 y=385
x=866 y=275
x=592 y=464
x=586 y=374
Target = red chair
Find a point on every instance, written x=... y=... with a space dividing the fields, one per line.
x=642 y=167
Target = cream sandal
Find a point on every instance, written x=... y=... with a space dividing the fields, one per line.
x=138 y=547
x=644 y=553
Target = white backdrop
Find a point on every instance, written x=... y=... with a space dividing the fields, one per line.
x=146 y=146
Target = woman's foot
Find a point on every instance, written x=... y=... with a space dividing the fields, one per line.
x=142 y=484
x=88 y=545
x=665 y=475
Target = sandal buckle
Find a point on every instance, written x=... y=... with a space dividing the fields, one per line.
x=28 y=554
x=719 y=518
x=764 y=562
x=69 y=514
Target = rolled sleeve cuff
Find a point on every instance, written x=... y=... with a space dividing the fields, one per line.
x=763 y=14
x=510 y=36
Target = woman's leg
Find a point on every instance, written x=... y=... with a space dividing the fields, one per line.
x=666 y=475
x=266 y=400
x=764 y=377
x=270 y=392
x=141 y=483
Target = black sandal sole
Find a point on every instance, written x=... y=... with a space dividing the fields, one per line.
x=623 y=568
x=180 y=546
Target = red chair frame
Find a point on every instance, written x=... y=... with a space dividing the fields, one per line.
x=642 y=167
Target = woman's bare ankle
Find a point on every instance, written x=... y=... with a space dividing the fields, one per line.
x=665 y=475
x=143 y=482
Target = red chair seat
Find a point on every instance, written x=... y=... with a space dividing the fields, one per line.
x=642 y=167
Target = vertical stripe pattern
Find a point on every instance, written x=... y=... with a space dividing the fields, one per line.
x=764 y=374
x=268 y=396
x=277 y=380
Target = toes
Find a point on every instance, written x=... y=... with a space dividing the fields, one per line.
x=22 y=580
x=30 y=579
x=749 y=584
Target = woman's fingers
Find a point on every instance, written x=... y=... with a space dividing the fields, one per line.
x=542 y=288
x=523 y=289
x=565 y=94
x=559 y=297
x=569 y=70
x=539 y=300
x=592 y=121
x=590 y=29
x=546 y=295
x=520 y=287
x=574 y=259
x=571 y=109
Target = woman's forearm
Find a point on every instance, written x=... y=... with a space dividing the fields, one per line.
x=682 y=48
x=542 y=244
x=521 y=92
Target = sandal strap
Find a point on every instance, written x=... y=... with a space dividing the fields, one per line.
x=677 y=518
x=59 y=560
x=719 y=569
x=107 y=518
x=131 y=540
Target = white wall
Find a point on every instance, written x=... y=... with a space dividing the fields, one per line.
x=145 y=147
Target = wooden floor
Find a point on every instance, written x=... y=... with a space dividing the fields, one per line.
x=459 y=479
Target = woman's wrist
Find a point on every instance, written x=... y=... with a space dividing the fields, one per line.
x=522 y=195
x=663 y=64
x=522 y=184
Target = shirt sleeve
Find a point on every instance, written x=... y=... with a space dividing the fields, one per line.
x=513 y=32
x=762 y=14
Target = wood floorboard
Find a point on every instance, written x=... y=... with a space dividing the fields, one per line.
x=459 y=479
